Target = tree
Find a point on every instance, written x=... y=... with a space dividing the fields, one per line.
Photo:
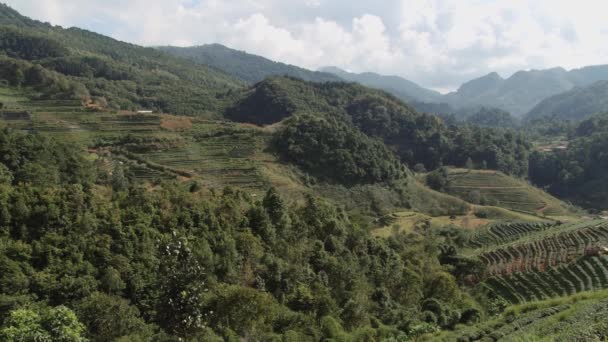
x=56 y=324
x=183 y=287
x=110 y=318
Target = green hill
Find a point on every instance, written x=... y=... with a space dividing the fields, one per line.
x=244 y=66
x=577 y=104
x=577 y=171
x=496 y=188
x=414 y=137
x=124 y=75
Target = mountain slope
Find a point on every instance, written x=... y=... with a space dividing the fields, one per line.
x=247 y=67
x=125 y=75
x=414 y=137
x=576 y=104
x=400 y=87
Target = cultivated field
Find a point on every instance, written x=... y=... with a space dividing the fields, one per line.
x=497 y=189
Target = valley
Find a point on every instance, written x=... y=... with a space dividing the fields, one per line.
x=208 y=194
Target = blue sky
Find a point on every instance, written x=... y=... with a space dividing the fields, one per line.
x=436 y=43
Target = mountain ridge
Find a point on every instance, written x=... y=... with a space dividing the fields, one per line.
x=247 y=67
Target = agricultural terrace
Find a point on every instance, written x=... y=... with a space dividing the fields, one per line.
x=497 y=189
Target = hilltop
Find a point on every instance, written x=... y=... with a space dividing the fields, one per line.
x=246 y=67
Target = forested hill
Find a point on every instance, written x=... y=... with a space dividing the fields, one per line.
x=244 y=66
x=398 y=86
x=416 y=138
x=577 y=104
x=88 y=66
x=579 y=172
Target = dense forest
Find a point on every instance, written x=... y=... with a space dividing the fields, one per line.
x=89 y=254
x=579 y=171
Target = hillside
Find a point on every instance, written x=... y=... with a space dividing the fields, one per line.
x=578 y=170
x=244 y=66
x=105 y=71
x=497 y=189
x=404 y=89
x=280 y=210
x=416 y=139
x=576 y=104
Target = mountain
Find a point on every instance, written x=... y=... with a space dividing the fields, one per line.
x=400 y=87
x=245 y=66
x=522 y=91
x=576 y=104
x=92 y=67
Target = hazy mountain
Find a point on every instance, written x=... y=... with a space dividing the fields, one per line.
x=576 y=104
x=398 y=86
x=524 y=90
x=245 y=66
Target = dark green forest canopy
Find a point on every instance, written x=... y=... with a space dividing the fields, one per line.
x=121 y=261
x=580 y=171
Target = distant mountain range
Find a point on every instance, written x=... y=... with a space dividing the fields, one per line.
x=521 y=92
x=517 y=94
x=531 y=94
x=398 y=86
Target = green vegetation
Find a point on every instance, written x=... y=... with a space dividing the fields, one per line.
x=244 y=66
x=96 y=68
x=333 y=150
x=176 y=262
x=322 y=212
x=497 y=189
x=416 y=138
x=579 y=317
x=576 y=104
x=491 y=117
x=578 y=170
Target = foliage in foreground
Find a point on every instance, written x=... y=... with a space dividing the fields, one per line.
x=142 y=264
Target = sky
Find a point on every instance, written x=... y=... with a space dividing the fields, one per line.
x=439 y=44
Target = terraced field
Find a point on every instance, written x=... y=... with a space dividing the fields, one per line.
x=580 y=317
x=501 y=190
x=584 y=274
x=546 y=248
x=148 y=146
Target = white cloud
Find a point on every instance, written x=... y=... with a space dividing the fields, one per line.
x=437 y=43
